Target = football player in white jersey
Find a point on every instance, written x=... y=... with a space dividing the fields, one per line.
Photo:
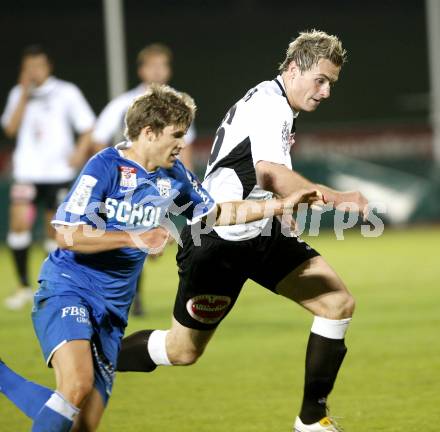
x=154 y=64
x=44 y=113
x=250 y=159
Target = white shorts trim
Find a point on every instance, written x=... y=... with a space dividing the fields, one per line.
x=58 y=222
x=54 y=350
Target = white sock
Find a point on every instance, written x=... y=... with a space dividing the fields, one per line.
x=19 y=240
x=60 y=405
x=331 y=329
x=157 y=347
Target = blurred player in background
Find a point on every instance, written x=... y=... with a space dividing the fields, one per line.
x=154 y=65
x=43 y=113
x=88 y=284
x=251 y=160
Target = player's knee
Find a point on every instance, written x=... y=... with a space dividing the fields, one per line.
x=343 y=307
x=346 y=306
x=186 y=356
x=77 y=389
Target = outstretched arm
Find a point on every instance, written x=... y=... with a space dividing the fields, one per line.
x=282 y=181
x=239 y=212
x=86 y=239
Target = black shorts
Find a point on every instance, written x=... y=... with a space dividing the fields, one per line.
x=211 y=275
x=50 y=195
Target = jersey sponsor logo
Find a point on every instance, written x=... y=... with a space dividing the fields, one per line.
x=208 y=308
x=128 y=177
x=285 y=138
x=132 y=214
x=164 y=187
x=81 y=195
x=81 y=314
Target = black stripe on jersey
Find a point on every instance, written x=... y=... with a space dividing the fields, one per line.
x=281 y=88
x=240 y=160
x=293 y=129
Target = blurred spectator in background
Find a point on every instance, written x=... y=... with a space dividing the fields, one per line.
x=154 y=63
x=154 y=66
x=43 y=113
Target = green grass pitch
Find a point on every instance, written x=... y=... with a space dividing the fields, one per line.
x=250 y=379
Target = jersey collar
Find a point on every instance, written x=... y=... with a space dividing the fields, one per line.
x=44 y=88
x=279 y=81
x=120 y=147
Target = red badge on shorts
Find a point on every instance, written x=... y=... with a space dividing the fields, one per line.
x=208 y=309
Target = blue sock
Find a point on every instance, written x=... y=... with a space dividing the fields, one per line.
x=56 y=415
x=29 y=397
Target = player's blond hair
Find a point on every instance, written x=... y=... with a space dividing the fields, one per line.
x=158 y=107
x=311 y=46
x=152 y=50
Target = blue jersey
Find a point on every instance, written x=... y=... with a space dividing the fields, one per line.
x=115 y=193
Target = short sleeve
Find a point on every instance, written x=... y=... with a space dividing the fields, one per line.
x=270 y=131
x=110 y=121
x=193 y=198
x=11 y=104
x=80 y=113
x=84 y=201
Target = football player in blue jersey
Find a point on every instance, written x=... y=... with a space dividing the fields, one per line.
x=110 y=220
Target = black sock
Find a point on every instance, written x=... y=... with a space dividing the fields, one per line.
x=323 y=360
x=134 y=355
x=20 y=261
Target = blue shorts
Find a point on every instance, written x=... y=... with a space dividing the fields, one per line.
x=60 y=315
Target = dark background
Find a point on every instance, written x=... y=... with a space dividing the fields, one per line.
x=222 y=48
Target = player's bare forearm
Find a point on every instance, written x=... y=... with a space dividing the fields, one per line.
x=87 y=239
x=14 y=123
x=239 y=212
x=282 y=181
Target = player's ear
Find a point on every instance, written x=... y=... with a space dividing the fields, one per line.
x=148 y=133
x=293 y=69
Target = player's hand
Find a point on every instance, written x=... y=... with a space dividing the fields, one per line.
x=25 y=82
x=312 y=197
x=353 y=201
x=155 y=240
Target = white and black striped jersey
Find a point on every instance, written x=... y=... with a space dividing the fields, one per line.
x=259 y=127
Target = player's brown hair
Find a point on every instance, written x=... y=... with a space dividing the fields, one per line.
x=311 y=46
x=152 y=50
x=36 y=50
x=159 y=107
